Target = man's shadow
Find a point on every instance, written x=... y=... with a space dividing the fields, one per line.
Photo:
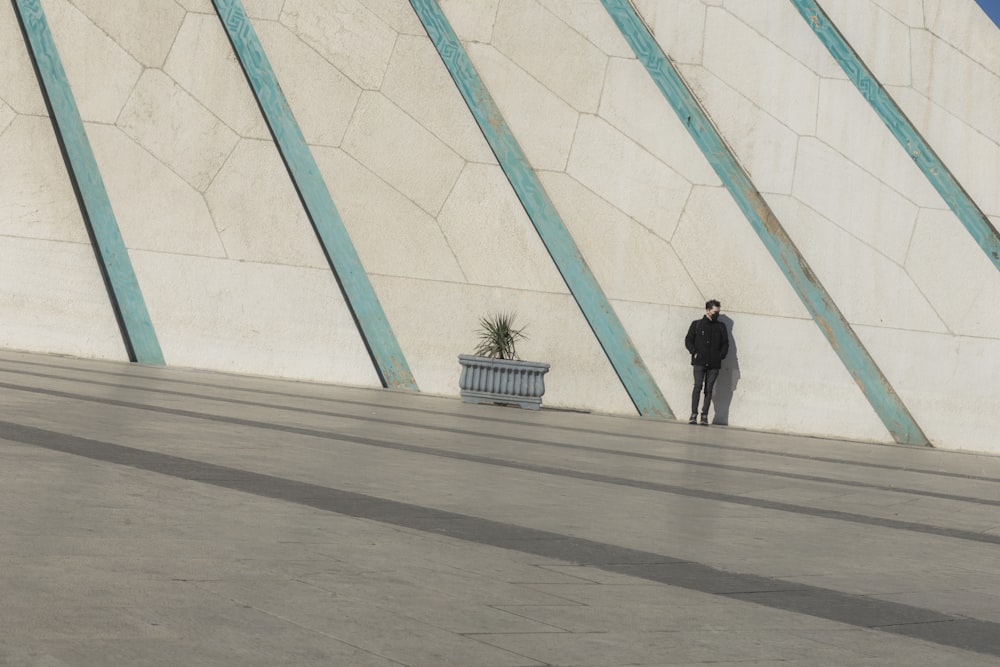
x=729 y=377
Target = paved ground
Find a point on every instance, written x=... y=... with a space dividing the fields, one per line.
x=156 y=516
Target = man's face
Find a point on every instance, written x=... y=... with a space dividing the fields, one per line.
x=714 y=310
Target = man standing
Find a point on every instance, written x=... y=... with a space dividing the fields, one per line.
x=708 y=343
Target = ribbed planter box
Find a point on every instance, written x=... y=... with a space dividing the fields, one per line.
x=503 y=381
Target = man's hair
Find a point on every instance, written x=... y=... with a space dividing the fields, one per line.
x=712 y=303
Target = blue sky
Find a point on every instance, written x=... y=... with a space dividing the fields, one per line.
x=992 y=8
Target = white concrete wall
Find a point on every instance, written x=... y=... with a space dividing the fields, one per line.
x=235 y=279
x=52 y=296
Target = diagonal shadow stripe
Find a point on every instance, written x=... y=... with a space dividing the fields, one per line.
x=855 y=610
x=674 y=489
x=500 y=420
x=852 y=483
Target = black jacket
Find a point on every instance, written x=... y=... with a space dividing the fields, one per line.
x=708 y=342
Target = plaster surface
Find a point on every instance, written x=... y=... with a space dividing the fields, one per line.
x=68 y=315
x=543 y=124
x=393 y=145
x=36 y=196
x=250 y=317
x=628 y=176
x=100 y=71
x=346 y=33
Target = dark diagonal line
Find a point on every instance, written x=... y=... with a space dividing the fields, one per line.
x=547 y=443
x=674 y=489
x=553 y=427
x=855 y=610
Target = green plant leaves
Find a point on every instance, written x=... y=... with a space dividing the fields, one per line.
x=498 y=337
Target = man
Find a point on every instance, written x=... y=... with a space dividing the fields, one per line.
x=708 y=343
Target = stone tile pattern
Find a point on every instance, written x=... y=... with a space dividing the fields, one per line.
x=235 y=279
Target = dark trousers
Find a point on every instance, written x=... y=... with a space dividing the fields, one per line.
x=703 y=377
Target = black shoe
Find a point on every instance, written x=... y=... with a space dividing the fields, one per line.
x=704 y=420
x=694 y=418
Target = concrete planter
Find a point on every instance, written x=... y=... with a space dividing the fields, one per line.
x=503 y=381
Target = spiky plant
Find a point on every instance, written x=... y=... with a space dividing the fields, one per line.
x=497 y=336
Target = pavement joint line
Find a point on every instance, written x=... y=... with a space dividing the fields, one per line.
x=836 y=515
x=656 y=457
x=550 y=443
x=854 y=610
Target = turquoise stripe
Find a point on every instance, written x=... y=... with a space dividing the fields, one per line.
x=596 y=308
x=917 y=148
x=824 y=311
x=123 y=288
x=390 y=364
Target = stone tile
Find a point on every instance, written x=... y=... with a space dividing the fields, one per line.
x=60 y=308
x=34 y=165
x=609 y=239
x=880 y=39
x=677 y=25
x=202 y=62
x=633 y=104
x=194 y=148
x=961 y=147
x=18 y=84
x=759 y=70
x=963 y=26
x=345 y=33
x=848 y=124
x=418 y=82
x=541 y=122
x=102 y=81
x=361 y=623
x=292 y=317
x=634 y=647
x=560 y=58
x=853 y=199
x=7 y=116
x=593 y=23
x=471 y=21
x=146 y=35
x=780 y=23
x=961 y=406
x=154 y=207
x=718 y=246
x=909 y=12
x=626 y=175
x=258 y=212
x=491 y=235
x=764 y=146
x=939 y=239
x=269 y=10
x=397 y=148
x=843 y=263
x=395 y=238
x=398 y=15
x=951 y=92
x=321 y=98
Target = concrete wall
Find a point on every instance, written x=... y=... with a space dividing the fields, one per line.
x=235 y=279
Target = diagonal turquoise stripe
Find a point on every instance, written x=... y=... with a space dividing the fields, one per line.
x=123 y=287
x=810 y=291
x=596 y=308
x=974 y=220
x=333 y=237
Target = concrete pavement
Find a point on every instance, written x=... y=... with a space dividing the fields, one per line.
x=157 y=516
